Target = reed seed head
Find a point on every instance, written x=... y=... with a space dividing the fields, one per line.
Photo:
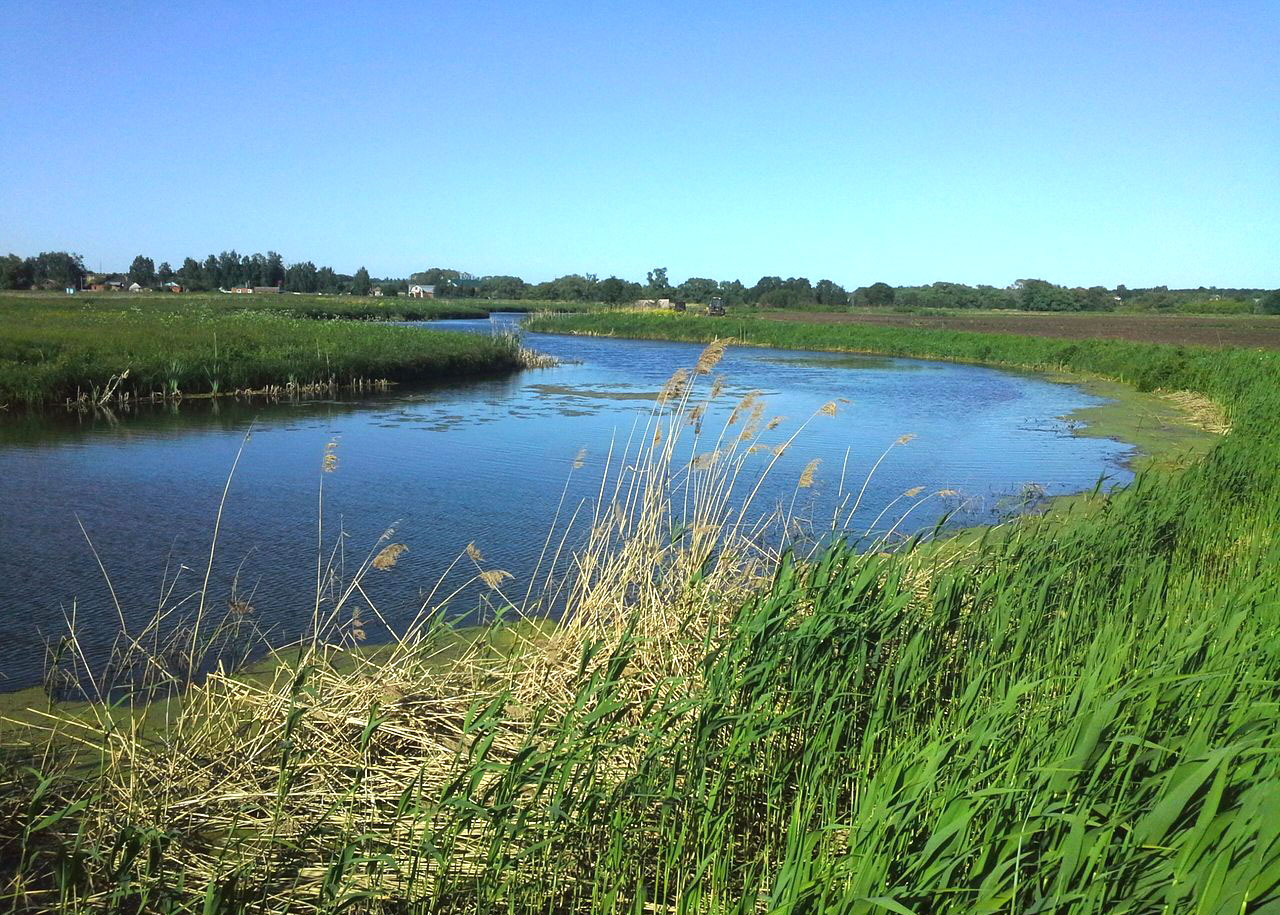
x=495 y=577
x=388 y=555
x=743 y=406
x=704 y=460
x=674 y=388
x=473 y=552
x=806 y=478
x=710 y=357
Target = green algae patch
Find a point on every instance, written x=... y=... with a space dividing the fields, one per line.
x=1167 y=430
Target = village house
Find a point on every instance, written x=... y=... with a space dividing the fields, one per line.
x=376 y=291
x=172 y=287
x=135 y=287
x=422 y=291
x=97 y=283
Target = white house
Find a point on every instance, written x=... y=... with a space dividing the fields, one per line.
x=422 y=291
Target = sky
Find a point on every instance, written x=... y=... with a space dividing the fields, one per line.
x=904 y=142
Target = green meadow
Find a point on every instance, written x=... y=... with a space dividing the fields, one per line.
x=1075 y=715
x=93 y=348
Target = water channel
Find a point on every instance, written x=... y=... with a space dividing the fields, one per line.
x=483 y=461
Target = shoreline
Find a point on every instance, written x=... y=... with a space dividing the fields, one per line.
x=1158 y=428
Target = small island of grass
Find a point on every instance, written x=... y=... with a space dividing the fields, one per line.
x=86 y=349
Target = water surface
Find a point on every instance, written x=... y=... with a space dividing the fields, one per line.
x=480 y=461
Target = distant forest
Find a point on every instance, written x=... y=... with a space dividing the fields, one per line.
x=57 y=269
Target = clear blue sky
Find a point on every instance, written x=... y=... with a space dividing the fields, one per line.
x=1083 y=143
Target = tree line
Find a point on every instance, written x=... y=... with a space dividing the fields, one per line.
x=55 y=269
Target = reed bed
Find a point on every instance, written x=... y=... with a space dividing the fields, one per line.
x=81 y=351
x=1076 y=715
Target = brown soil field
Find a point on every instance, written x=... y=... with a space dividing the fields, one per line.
x=1204 y=330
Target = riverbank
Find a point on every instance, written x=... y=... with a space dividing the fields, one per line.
x=88 y=351
x=1174 y=329
x=1166 y=430
x=1077 y=716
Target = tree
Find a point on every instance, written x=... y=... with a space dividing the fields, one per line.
x=782 y=297
x=142 y=271
x=15 y=272
x=571 y=288
x=1041 y=295
x=615 y=291
x=610 y=290
x=360 y=282
x=877 y=294
x=255 y=269
x=733 y=292
x=764 y=286
x=1095 y=298
x=442 y=278
x=165 y=273
x=502 y=287
x=657 y=282
x=327 y=281
x=191 y=274
x=55 y=269
x=274 y=274
x=228 y=270
x=301 y=277
x=1270 y=304
x=831 y=294
x=697 y=289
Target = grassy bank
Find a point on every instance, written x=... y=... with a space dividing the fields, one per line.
x=1075 y=716
x=1172 y=329
x=1144 y=366
x=56 y=349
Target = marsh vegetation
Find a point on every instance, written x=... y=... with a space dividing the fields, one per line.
x=87 y=350
x=1076 y=715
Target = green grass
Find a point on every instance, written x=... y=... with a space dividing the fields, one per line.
x=1078 y=715
x=1144 y=366
x=57 y=348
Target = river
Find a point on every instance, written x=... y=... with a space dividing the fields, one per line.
x=486 y=462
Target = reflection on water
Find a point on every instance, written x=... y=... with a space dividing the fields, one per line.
x=483 y=461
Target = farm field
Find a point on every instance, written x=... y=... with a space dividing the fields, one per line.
x=1177 y=330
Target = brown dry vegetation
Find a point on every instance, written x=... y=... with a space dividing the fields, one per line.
x=1203 y=330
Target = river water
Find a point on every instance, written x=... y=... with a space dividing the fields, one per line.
x=479 y=461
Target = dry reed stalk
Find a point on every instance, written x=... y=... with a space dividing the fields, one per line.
x=1200 y=411
x=218 y=771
